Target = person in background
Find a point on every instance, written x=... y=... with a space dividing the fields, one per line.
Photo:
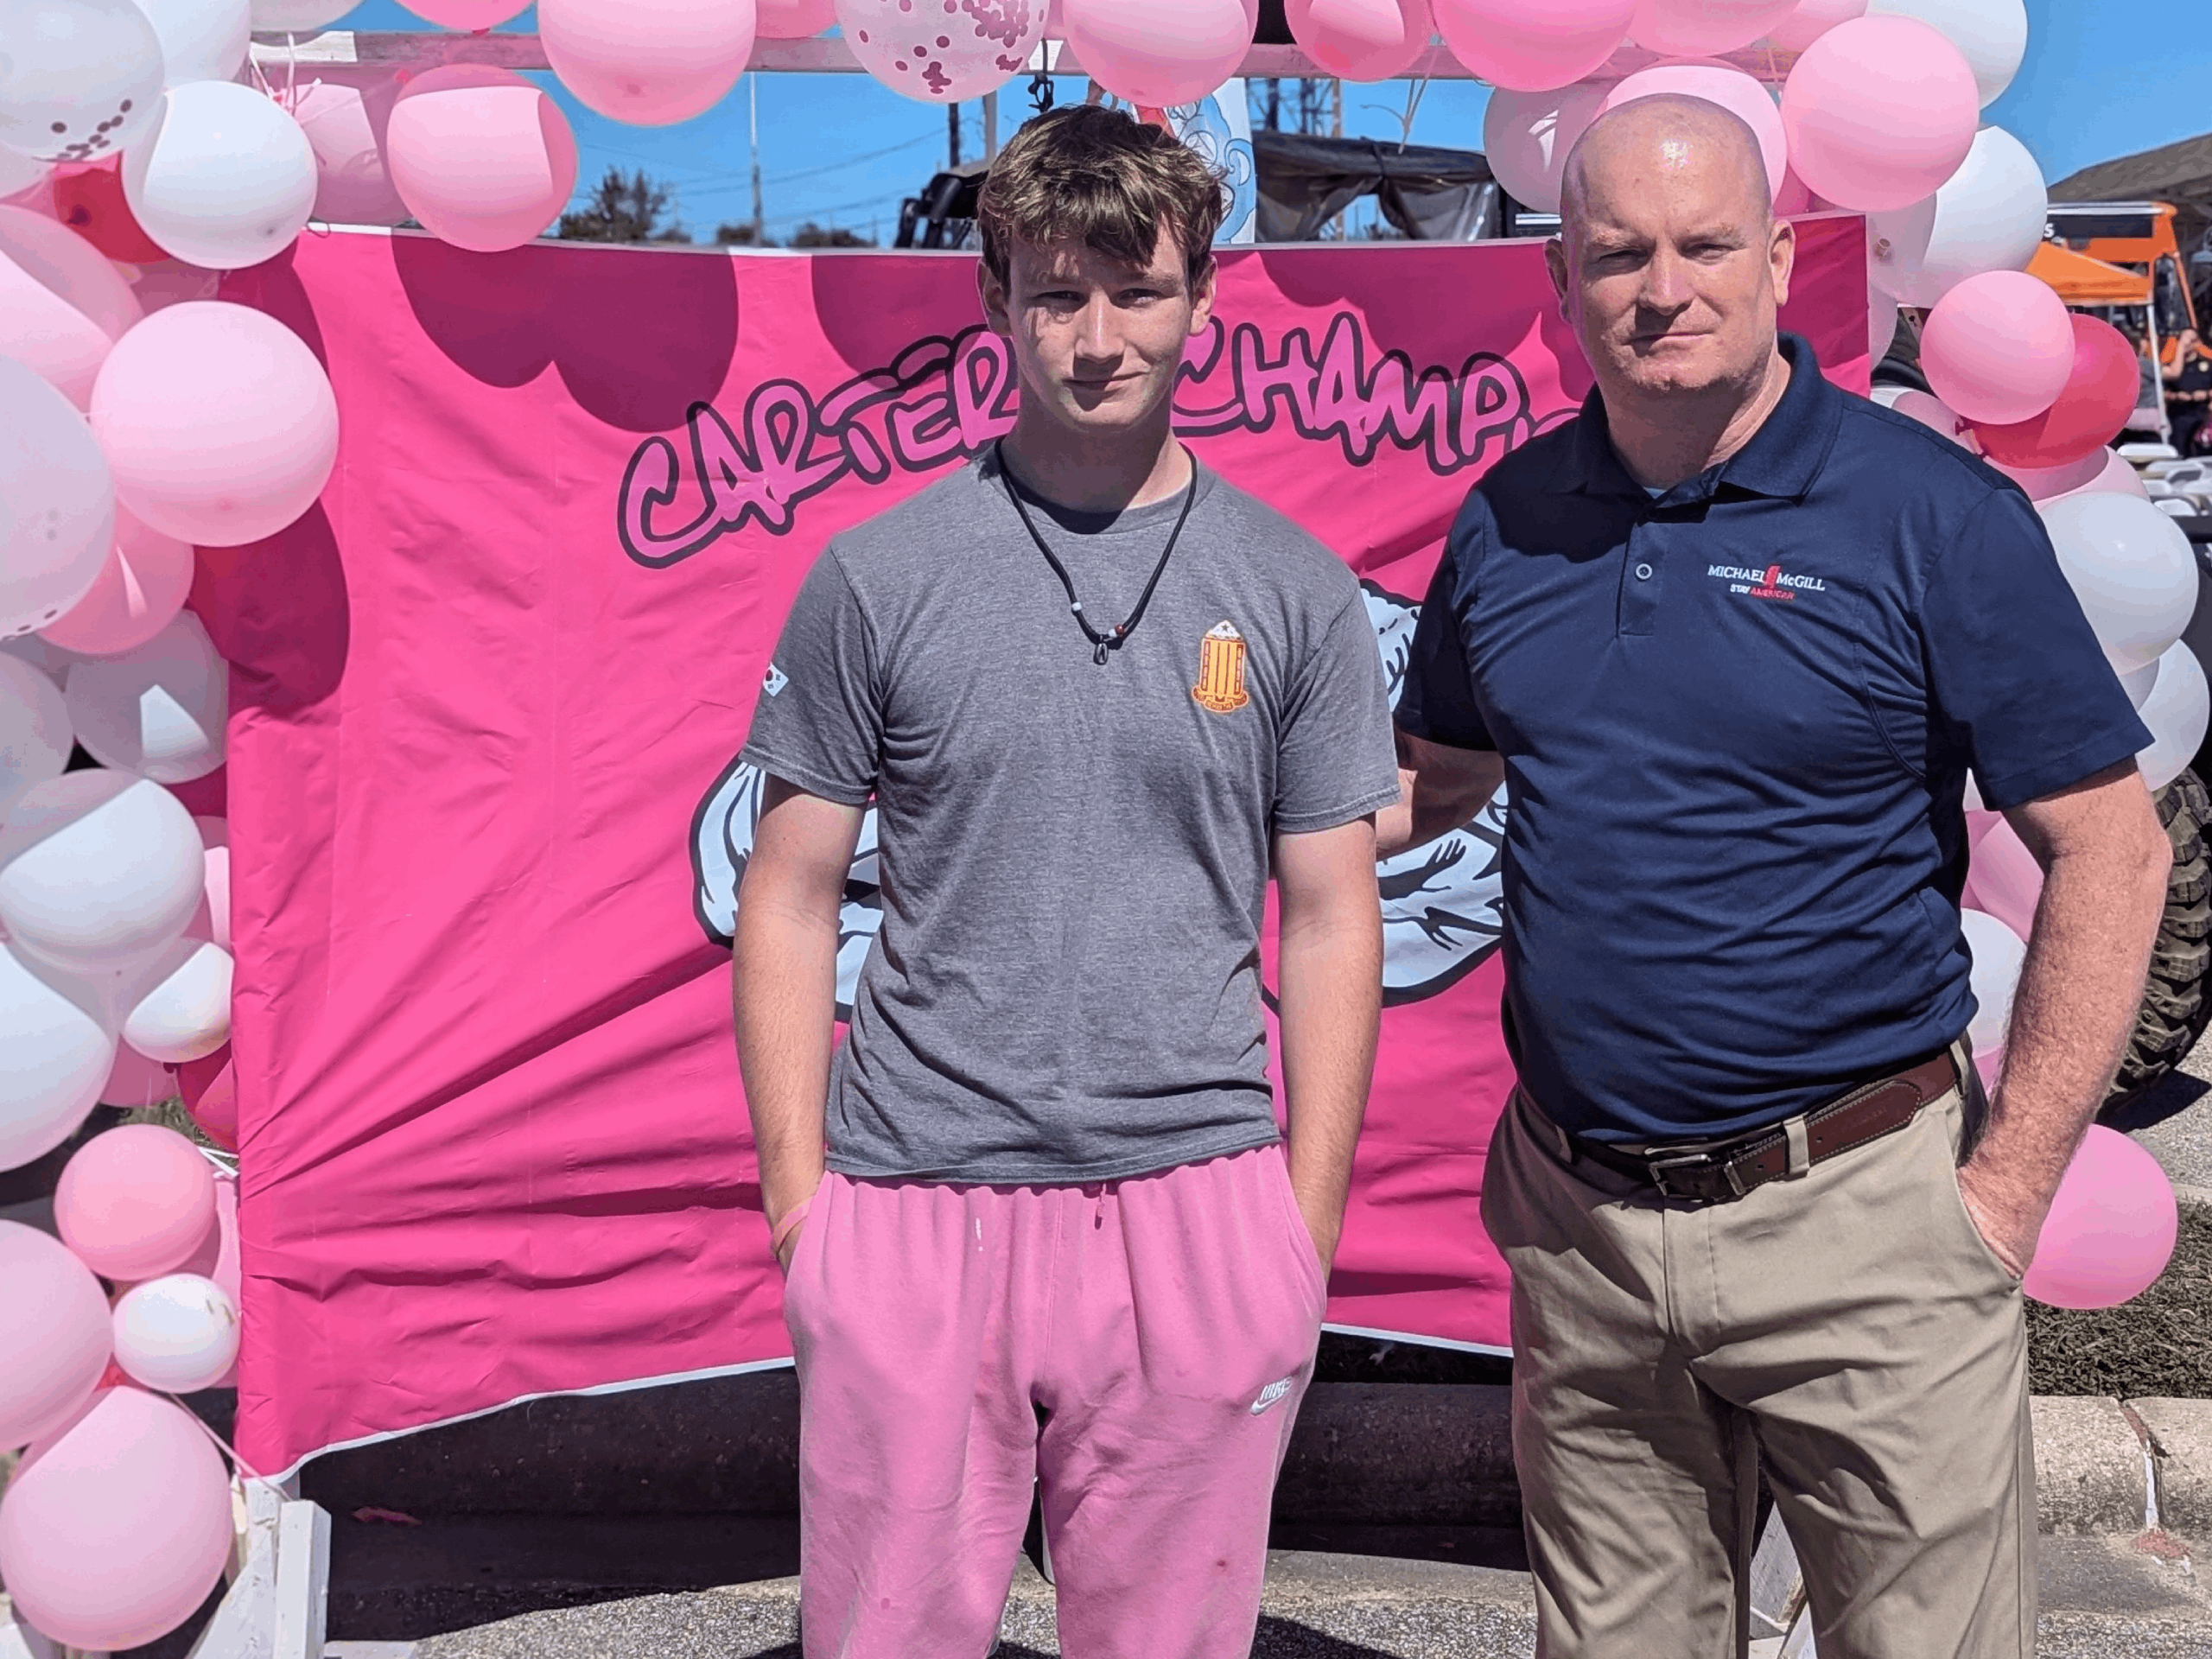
x=1734 y=639
x=2188 y=380
x=1055 y=1242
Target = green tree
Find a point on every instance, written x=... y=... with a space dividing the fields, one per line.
x=741 y=235
x=624 y=210
x=811 y=235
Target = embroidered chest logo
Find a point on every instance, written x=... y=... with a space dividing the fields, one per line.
x=1769 y=583
x=1220 y=689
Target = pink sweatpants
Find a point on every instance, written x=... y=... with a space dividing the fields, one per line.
x=1138 y=1348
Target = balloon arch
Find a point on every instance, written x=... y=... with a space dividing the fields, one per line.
x=149 y=146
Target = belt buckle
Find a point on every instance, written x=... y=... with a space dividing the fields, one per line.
x=1660 y=1167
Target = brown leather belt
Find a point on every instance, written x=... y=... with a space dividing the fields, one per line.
x=1716 y=1173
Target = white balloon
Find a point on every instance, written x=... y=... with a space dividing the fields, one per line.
x=134 y=1081
x=177 y=1334
x=226 y=180
x=57 y=502
x=19 y=172
x=79 y=78
x=298 y=16
x=99 y=871
x=157 y=711
x=2177 y=711
x=2131 y=567
x=1881 y=325
x=2136 y=683
x=1526 y=136
x=1931 y=412
x=1988 y=216
x=1887 y=396
x=1991 y=34
x=182 y=1011
x=34 y=730
x=201 y=40
x=1997 y=952
x=58 y=1049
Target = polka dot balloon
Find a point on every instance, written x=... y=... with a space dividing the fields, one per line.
x=942 y=51
x=79 y=79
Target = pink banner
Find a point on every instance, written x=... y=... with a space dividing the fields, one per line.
x=486 y=699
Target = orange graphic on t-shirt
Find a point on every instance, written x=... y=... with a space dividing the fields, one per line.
x=1221 y=671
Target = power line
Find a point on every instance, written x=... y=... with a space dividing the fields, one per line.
x=851 y=161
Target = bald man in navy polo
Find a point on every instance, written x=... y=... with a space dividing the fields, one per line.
x=1735 y=640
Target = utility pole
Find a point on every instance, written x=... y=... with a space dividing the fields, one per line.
x=952 y=134
x=759 y=219
x=990 y=126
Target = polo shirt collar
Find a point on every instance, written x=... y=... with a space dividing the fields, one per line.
x=1783 y=458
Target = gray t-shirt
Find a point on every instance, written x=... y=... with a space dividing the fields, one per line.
x=1074 y=855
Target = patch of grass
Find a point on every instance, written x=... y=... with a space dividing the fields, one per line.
x=2159 y=1344
x=170 y=1115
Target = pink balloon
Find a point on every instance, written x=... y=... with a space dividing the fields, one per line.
x=135 y=1081
x=113 y=1531
x=648 y=62
x=1362 y=40
x=69 y=267
x=135 y=1201
x=1988 y=1064
x=138 y=592
x=942 y=51
x=217 y=1258
x=482 y=157
x=1158 y=53
x=2110 y=1228
x=1933 y=413
x=1721 y=84
x=212 y=923
x=345 y=125
x=210 y=1087
x=2090 y=411
x=1879 y=112
x=1527 y=138
x=49 y=1302
x=2007 y=880
x=1793 y=197
x=2049 y=483
x=218 y=422
x=1812 y=19
x=1998 y=347
x=794 y=20
x=1697 y=28
x=49 y=335
x=471 y=16
x=1980 y=823
x=1532 y=47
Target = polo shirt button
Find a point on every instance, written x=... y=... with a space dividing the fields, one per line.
x=1643 y=573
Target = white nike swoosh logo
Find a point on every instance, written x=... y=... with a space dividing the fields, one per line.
x=1272 y=1393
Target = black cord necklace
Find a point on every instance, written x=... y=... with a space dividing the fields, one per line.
x=1111 y=640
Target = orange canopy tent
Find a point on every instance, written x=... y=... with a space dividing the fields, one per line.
x=2081 y=280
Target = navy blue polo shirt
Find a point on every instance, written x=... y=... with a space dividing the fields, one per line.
x=1737 y=721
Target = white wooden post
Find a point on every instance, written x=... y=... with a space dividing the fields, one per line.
x=303 y=1579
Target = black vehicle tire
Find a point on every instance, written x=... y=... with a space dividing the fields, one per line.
x=2177 y=1002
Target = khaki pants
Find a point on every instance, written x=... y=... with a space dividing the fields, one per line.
x=1848 y=1329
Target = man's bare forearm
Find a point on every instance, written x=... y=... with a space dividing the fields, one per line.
x=1438 y=790
x=1331 y=1000
x=2078 y=993
x=786 y=1008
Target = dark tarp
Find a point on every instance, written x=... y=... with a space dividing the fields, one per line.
x=1427 y=194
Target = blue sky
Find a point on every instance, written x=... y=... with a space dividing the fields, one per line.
x=2101 y=78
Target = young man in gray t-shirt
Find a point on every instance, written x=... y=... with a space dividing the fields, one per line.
x=1038 y=1222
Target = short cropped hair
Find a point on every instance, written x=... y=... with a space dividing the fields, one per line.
x=1084 y=173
